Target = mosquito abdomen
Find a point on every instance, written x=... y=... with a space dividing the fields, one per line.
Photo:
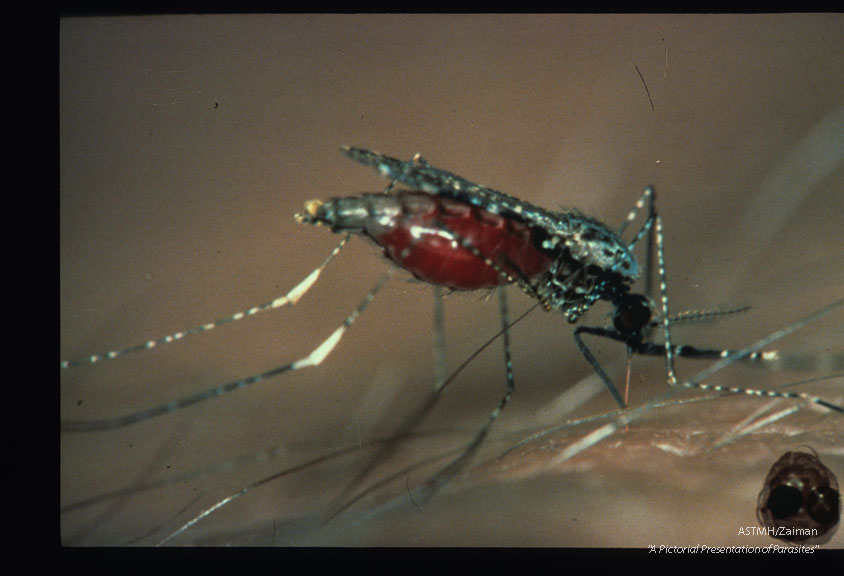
x=440 y=240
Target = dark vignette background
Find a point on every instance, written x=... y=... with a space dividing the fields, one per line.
x=188 y=143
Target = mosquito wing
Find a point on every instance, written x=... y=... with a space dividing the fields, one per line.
x=418 y=174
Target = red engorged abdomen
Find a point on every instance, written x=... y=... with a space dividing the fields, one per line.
x=423 y=244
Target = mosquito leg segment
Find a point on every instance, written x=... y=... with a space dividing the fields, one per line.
x=663 y=296
x=440 y=359
x=436 y=482
x=648 y=196
x=313 y=359
x=704 y=315
x=770 y=358
x=441 y=478
x=289 y=299
x=596 y=366
x=344 y=499
x=653 y=349
x=698 y=381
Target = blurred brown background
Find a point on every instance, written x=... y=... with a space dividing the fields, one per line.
x=188 y=143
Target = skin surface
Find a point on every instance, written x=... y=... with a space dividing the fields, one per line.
x=187 y=145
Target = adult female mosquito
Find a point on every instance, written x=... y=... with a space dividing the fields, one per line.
x=458 y=235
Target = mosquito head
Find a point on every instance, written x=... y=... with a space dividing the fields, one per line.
x=631 y=316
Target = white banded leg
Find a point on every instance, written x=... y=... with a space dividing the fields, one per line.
x=289 y=299
x=314 y=358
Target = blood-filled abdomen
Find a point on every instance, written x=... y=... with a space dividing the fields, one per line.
x=439 y=240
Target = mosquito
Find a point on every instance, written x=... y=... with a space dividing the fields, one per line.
x=458 y=235
x=451 y=232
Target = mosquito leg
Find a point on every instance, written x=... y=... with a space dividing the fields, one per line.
x=753 y=354
x=663 y=297
x=441 y=381
x=649 y=248
x=436 y=482
x=344 y=499
x=440 y=360
x=441 y=478
x=647 y=196
x=698 y=381
x=646 y=229
x=653 y=224
x=581 y=345
x=726 y=359
x=314 y=358
x=412 y=422
x=289 y=299
x=704 y=315
x=625 y=417
x=769 y=357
